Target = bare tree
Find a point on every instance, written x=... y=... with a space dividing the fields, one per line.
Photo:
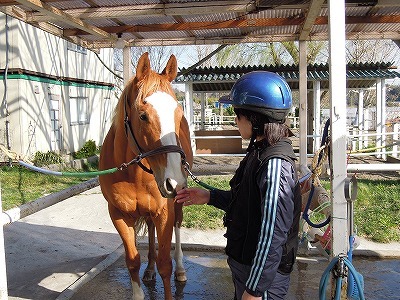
x=366 y=51
x=361 y=51
x=279 y=53
x=158 y=58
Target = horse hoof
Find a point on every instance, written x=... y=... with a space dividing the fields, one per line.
x=149 y=275
x=180 y=276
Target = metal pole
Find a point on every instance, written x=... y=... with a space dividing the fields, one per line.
x=337 y=88
x=3 y=273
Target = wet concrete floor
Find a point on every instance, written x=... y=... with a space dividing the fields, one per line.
x=209 y=278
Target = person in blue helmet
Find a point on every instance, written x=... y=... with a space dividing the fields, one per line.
x=262 y=208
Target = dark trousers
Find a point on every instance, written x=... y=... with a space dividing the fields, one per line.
x=240 y=274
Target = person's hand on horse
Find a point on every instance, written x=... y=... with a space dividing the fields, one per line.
x=189 y=196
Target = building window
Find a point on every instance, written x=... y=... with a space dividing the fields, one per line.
x=79 y=110
x=76 y=48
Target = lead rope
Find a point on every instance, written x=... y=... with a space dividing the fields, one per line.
x=195 y=179
x=320 y=156
x=24 y=162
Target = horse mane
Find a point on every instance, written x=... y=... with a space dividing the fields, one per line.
x=150 y=84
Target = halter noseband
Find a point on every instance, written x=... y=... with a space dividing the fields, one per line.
x=134 y=145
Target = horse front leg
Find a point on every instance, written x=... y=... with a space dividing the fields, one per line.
x=125 y=228
x=164 y=225
x=180 y=272
x=150 y=272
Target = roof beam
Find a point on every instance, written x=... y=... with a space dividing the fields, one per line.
x=312 y=13
x=242 y=23
x=238 y=39
x=169 y=9
x=64 y=17
x=196 y=41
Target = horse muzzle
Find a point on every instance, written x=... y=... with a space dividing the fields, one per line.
x=169 y=188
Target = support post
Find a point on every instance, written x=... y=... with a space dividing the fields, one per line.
x=361 y=120
x=383 y=112
x=126 y=56
x=3 y=273
x=396 y=128
x=379 y=121
x=337 y=88
x=203 y=110
x=317 y=114
x=303 y=102
x=189 y=112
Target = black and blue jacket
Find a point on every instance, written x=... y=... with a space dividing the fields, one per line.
x=262 y=213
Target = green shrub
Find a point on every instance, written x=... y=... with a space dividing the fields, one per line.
x=48 y=158
x=88 y=150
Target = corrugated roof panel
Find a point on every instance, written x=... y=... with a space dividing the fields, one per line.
x=324 y=12
x=276 y=13
x=385 y=10
x=357 y=11
x=389 y=27
x=163 y=34
x=228 y=32
x=125 y=2
x=363 y=12
x=273 y=30
x=147 y=20
x=361 y=75
x=63 y=5
x=319 y=28
x=103 y=22
x=350 y=74
x=210 y=18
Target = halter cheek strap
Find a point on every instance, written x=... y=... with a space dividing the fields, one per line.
x=134 y=145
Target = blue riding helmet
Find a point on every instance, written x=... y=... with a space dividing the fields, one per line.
x=264 y=92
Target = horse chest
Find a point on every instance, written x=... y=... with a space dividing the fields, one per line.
x=137 y=200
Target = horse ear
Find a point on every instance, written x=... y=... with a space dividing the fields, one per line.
x=143 y=66
x=171 y=69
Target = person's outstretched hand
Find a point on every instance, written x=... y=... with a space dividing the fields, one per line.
x=189 y=196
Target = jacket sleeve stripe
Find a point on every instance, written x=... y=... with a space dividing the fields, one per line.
x=268 y=222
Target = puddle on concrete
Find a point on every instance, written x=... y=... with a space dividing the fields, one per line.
x=209 y=278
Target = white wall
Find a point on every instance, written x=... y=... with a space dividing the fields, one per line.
x=56 y=70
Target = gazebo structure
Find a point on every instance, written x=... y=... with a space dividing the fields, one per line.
x=359 y=77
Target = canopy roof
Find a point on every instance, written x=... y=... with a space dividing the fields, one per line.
x=97 y=23
x=361 y=75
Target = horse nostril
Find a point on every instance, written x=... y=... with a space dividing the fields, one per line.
x=170 y=186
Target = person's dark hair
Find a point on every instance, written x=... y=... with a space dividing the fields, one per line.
x=262 y=125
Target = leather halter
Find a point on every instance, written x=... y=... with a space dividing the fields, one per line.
x=134 y=145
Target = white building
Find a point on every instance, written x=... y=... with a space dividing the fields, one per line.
x=55 y=95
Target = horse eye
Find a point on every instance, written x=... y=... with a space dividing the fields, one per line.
x=143 y=117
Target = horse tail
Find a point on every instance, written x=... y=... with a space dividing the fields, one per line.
x=140 y=226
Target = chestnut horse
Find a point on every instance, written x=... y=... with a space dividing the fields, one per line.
x=149 y=142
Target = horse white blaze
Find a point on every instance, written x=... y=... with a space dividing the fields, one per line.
x=165 y=106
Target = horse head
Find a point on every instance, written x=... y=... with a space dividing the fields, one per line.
x=156 y=120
